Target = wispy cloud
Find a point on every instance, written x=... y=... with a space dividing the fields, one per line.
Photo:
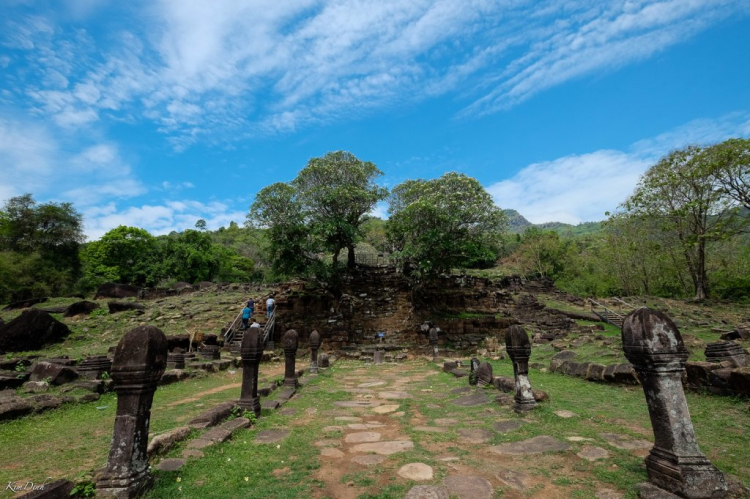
x=206 y=70
x=580 y=188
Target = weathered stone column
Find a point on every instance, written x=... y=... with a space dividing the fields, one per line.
x=473 y=371
x=251 y=353
x=314 y=345
x=653 y=344
x=291 y=342
x=518 y=346
x=140 y=360
x=434 y=342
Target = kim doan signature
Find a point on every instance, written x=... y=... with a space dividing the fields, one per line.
x=27 y=486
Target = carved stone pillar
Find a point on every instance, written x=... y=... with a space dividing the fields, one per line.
x=291 y=342
x=251 y=353
x=314 y=346
x=139 y=361
x=653 y=344
x=518 y=346
x=434 y=342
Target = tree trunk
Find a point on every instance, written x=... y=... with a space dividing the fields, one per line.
x=701 y=281
x=352 y=258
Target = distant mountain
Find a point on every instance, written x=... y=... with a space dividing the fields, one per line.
x=517 y=224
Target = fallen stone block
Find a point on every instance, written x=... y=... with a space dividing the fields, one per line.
x=739 y=381
x=55 y=374
x=160 y=444
x=59 y=489
x=14 y=407
x=214 y=415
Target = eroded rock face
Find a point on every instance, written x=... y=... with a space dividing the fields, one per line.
x=31 y=330
x=653 y=344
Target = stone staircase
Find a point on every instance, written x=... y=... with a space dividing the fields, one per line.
x=610 y=316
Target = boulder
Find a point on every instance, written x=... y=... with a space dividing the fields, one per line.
x=24 y=303
x=31 y=330
x=123 y=306
x=80 y=307
x=179 y=286
x=739 y=381
x=54 y=374
x=14 y=407
x=113 y=290
x=737 y=334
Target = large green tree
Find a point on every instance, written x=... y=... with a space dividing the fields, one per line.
x=124 y=254
x=682 y=198
x=337 y=191
x=443 y=223
x=728 y=164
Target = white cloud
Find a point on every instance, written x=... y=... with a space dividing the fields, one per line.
x=580 y=188
x=207 y=70
x=160 y=219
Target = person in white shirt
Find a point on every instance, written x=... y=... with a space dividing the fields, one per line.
x=270 y=304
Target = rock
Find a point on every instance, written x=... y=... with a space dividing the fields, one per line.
x=163 y=442
x=427 y=492
x=88 y=397
x=124 y=306
x=385 y=409
x=430 y=429
x=113 y=290
x=506 y=426
x=80 y=307
x=384 y=448
x=468 y=487
x=24 y=303
x=59 y=489
x=212 y=416
x=170 y=464
x=591 y=453
x=14 y=407
x=271 y=436
x=415 y=471
x=12 y=382
x=35 y=387
x=737 y=334
x=515 y=479
x=472 y=400
x=31 y=330
x=55 y=374
x=394 y=395
x=45 y=402
x=474 y=435
x=332 y=452
x=365 y=436
x=369 y=460
x=535 y=445
x=625 y=442
x=563 y=413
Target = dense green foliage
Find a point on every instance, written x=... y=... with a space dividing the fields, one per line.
x=439 y=224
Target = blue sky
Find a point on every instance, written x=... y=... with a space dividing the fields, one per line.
x=158 y=113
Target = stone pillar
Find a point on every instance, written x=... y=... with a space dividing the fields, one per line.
x=314 y=345
x=251 y=353
x=378 y=356
x=434 y=342
x=291 y=342
x=473 y=371
x=139 y=361
x=653 y=344
x=518 y=346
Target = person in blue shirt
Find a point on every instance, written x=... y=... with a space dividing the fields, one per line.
x=246 y=313
x=251 y=305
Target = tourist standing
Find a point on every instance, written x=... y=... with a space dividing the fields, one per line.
x=246 y=313
x=270 y=304
x=251 y=306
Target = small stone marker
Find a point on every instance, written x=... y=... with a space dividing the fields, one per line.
x=314 y=346
x=378 y=356
x=251 y=352
x=484 y=374
x=291 y=342
x=653 y=344
x=324 y=361
x=415 y=471
x=518 y=346
x=473 y=372
x=434 y=342
x=139 y=362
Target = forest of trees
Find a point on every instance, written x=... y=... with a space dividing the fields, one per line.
x=684 y=232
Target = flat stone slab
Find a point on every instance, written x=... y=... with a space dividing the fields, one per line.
x=463 y=389
x=187 y=453
x=384 y=448
x=271 y=436
x=472 y=400
x=333 y=428
x=515 y=479
x=199 y=443
x=170 y=464
x=416 y=472
x=475 y=435
x=427 y=492
x=332 y=452
x=351 y=419
x=536 y=445
x=288 y=411
x=385 y=409
x=369 y=460
x=506 y=426
x=394 y=395
x=563 y=413
x=579 y=439
x=608 y=494
x=468 y=487
x=371 y=384
x=236 y=424
x=271 y=405
x=446 y=422
x=364 y=436
x=353 y=403
x=592 y=453
x=431 y=429
x=217 y=435
x=625 y=442
x=364 y=426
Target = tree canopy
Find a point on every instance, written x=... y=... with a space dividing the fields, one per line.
x=447 y=222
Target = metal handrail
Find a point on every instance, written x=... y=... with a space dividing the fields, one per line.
x=624 y=303
x=269 y=326
x=607 y=311
x=230 y=332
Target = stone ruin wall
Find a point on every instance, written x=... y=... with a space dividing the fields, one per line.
x=376 y=300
